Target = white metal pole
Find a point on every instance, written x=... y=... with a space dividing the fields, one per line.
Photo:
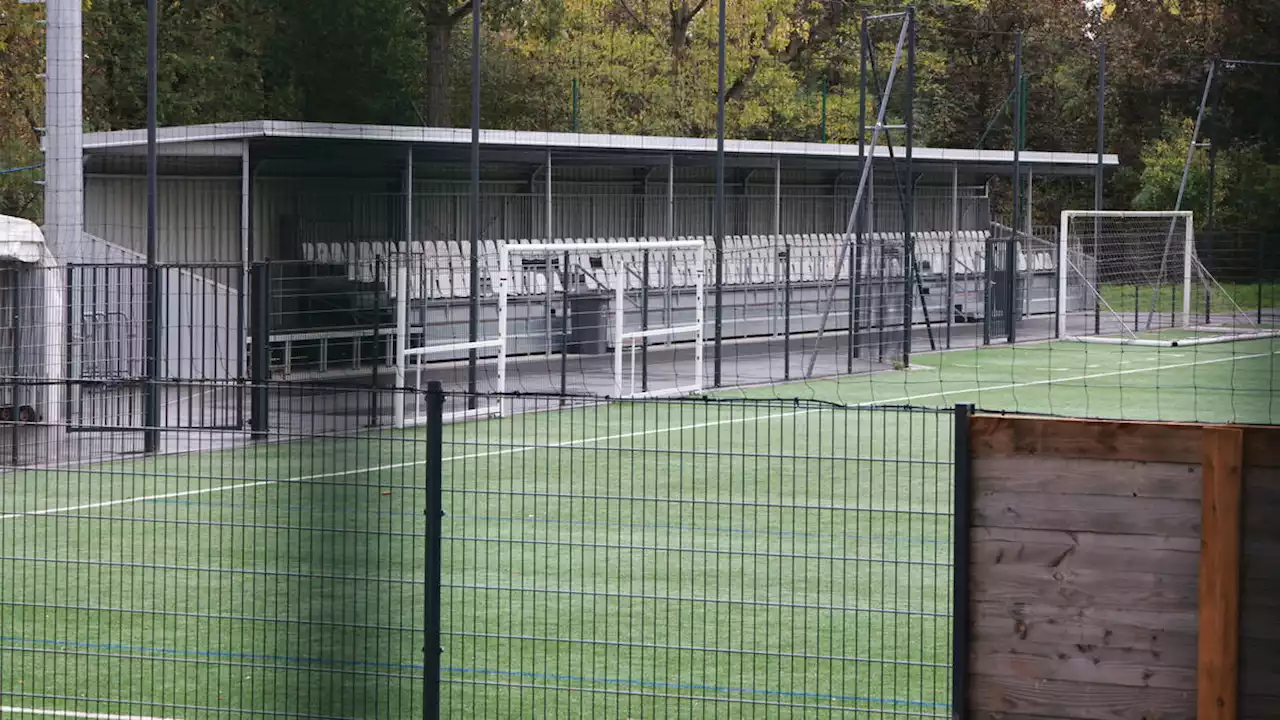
x=1063 y=262
x=546 y=267
x=1026 y=246
x=618 y=298
x=699 y=279
x=1189 y=254
x=777 y=239
x=504 y=283
x=402 y=332
x=669 y=312
x=951 y=249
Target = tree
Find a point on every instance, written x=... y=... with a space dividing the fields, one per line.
x=21 y=108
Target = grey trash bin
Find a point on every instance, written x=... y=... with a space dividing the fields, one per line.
x=589 y=324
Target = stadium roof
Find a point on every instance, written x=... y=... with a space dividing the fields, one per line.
x=450 y=144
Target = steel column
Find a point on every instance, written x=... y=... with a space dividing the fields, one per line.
x=151 y=408
x=473 y=316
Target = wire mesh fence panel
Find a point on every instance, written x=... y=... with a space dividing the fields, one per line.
x=231 y=579
x=693 y=558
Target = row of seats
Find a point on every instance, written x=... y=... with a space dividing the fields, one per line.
x=442 y=269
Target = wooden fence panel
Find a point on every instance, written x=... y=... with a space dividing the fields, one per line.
x=1122 y=570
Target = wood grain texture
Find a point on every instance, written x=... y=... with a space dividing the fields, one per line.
x=1012 y=695
x=1219 y=592
x=1162 y=640
x=1086 y=550
x=1151 y=592
x=1081 y=662
x=1083 y=476
x=1096 y=439
x=1087 y=513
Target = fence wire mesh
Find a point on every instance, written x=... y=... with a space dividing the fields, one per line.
x=646 y=558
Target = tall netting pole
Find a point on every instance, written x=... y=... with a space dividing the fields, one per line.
x=718 y=221
x=1098 y=175
x=908 y=235
x=1011 y=249
x=473 y=316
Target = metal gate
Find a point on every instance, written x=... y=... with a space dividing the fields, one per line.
x=199 y=351
x=106 y=320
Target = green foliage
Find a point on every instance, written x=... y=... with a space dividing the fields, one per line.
x=649 y=67
x=1246 y=186
x=21 y=107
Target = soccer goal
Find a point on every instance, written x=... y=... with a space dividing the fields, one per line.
x=1135 y=278
x=431 y=290
x=632 y=315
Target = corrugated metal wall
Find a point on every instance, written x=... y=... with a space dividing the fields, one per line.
x=198 y=218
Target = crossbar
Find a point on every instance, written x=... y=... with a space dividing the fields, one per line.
x=535 y=248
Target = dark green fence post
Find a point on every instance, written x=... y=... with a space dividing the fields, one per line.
x=432 y=649
x=259 y=348
x=961 y=526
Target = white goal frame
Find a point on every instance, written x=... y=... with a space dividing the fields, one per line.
x=404 y=353
x=622 y=337
x=1190 y=262
x=1188 y=248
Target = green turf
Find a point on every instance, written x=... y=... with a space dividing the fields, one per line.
x=1223 y=298
x=590 y=540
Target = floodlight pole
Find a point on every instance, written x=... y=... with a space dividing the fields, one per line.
x=151 y=410
x=473 y=316
x=1011 y=249
x=719 y=218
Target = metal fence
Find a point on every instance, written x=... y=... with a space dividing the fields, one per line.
x=648 y=558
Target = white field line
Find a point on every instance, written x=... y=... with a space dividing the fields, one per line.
x=623 y=436
x=72 y=714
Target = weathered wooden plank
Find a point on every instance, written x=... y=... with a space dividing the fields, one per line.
x=1170 y=637
x=1220 y=574
x=1079 y=701
x=1084 y=588
x=1081 y=662
x=1096 y=551
x=1097 y=439
x=1085 y=476
x=1088 y=513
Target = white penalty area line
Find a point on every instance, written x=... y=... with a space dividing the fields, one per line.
x=73 y=714
x=627 y=435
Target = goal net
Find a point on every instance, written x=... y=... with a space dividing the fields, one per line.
x=617 y=319
x=1134 y=277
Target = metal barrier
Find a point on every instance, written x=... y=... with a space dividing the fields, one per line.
x=645 y=558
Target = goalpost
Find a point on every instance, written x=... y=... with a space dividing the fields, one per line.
x=625 y=295
x=1134 y=277
x=639 y=277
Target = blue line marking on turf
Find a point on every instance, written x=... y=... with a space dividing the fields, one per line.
x=479 y=671
x=688 y=686
x=209 y=653
x=548 y=521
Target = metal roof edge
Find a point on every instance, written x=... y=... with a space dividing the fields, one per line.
x=286 y=129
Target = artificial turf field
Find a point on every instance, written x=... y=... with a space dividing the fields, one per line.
x=772 y=558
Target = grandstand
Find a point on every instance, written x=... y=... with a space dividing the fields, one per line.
x=337 y=209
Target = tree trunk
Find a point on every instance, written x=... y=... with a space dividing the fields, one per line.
x=439 y=55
